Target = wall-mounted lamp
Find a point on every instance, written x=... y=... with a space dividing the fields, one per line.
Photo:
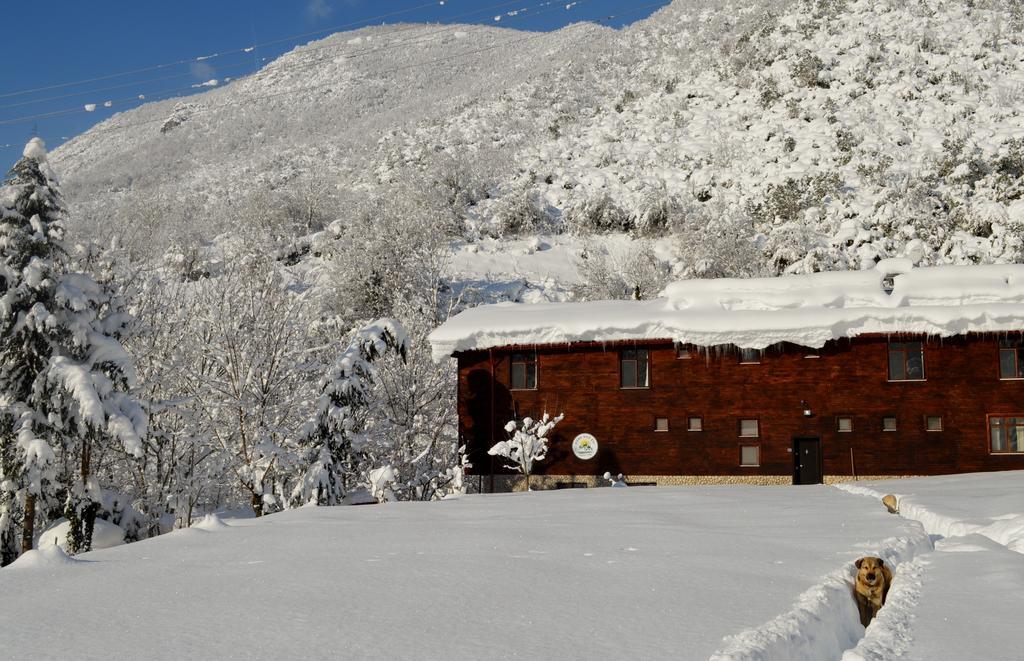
x=808 y=413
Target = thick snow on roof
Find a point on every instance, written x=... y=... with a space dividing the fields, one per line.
x=756 y=313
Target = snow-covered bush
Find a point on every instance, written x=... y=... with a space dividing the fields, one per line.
x=718 y=242
x=595 y=215
x=518 y=213
x=526 y=444
x=632 y=271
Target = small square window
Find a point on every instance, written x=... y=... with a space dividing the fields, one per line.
x=661 y=424
x=933 y=423
x=695 y=423
x=750 y=356
x=684 y=352
x=844 y=423
x=889 y=423
x=750 y=455
x=749 y=427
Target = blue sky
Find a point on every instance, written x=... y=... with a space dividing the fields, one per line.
x=50 y=44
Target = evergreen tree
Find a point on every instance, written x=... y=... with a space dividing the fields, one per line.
x=331 y=438
x=63 y=372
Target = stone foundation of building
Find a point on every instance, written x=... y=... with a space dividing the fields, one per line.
x=507 y=483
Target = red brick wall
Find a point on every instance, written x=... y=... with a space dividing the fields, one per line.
x=849 y=378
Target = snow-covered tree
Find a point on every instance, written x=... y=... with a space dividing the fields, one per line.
x=63 y=371
x=245 y=373
x=527 y=443
x=333 y=437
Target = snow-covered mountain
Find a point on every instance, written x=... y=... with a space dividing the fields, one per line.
x=815 y=134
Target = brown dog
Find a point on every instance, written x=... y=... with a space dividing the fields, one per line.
x=872 y=586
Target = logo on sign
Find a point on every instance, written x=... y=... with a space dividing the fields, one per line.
x=584 y=446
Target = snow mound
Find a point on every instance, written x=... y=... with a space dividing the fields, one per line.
x=210 y=522
x=755 y=313
x=35 y=149
x=105 y=535
x=51 y=556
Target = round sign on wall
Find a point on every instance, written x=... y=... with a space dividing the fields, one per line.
x=584 y=446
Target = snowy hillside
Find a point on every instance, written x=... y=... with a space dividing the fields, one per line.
x=721 y=572
x=795 y=135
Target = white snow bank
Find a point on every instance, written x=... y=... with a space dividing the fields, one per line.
x=105 y=535
x=51 y=556
x=808 y=310
x=588 y=573
x=210 y=522
x=989 y=504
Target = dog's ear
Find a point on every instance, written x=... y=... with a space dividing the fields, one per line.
x=881 y=563
x=859 y=560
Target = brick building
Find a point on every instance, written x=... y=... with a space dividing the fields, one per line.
x=797 y=379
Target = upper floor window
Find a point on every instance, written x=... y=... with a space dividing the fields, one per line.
x=633 y=368
x=906 y=361
x=889 y=423
x=684 y=351
x=1011 y=359
x=844 y=423
x=1006 y=435
x=749 y=427
x=750 y=356
x=524 y=371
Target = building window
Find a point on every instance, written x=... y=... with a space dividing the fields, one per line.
x=933 y=423
x=750 y=356
x=750 y=455
x=661 y=424
x=633 y=368
x=1006 y=435
x=844 y=423
x=684 y=351
x=695 y=423
x=749 y=428
x=524 y=371
x=889 y=423
x=1011 y=359
x=906 y=361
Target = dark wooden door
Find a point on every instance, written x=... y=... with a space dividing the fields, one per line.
x=807 y=461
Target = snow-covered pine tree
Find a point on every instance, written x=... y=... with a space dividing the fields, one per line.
x=527 y=443
x=63 y=372
x=331 y=437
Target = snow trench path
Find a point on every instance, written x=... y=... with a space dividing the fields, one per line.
x=973 y=569
x=824 y=622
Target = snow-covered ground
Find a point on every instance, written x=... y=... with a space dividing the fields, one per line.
x=691 y=573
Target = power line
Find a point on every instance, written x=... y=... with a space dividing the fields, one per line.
x=248 y=49
x=307 y=88
x=525 y=12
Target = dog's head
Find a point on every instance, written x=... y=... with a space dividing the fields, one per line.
x=871 y=571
